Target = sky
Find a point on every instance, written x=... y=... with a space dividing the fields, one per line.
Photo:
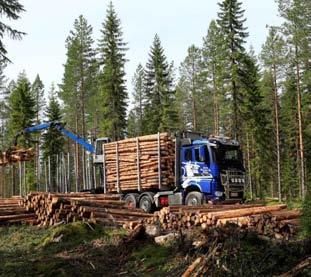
x=179 y=23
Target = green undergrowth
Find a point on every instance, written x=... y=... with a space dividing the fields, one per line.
x=80 y=249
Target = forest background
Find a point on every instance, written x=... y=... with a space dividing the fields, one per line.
x=261 y=99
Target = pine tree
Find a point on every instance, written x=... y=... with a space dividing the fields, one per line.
x=37 y=89
x=160 y=112
x=191 y=72
x=296 y=28
x=79 y=88
x=272 y=55
x=112 y=77
x=53 y=140
x=135 y=118
x=231 y=20
x=215 y=73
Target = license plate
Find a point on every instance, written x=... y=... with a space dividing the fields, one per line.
x=234 y=194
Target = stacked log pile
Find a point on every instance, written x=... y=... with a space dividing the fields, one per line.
x=12 y=213
x=141 y=163
x=46 y=209
x=15 y=155
x=105 y=209
x=273 y=221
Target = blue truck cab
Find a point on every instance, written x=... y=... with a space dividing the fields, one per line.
x=211 y=170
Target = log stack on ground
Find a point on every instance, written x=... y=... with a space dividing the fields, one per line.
x=12 y=213
x=105 y=209
x=273 y=221
x=47 y=209
x=15 y=155
x=141 y=163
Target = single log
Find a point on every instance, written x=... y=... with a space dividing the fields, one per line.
x=245 y=212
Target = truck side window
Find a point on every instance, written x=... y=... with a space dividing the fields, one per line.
x=207 y=160
x=188 y=154
x=198 y=158
x=99 y=147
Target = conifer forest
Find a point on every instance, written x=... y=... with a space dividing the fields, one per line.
x=222 y=88
x=195 y=167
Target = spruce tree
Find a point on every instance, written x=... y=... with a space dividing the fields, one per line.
x=160 y=112
x=11 y=10
x=288 y=122
x=53 y=140
x=231 y=21
x=22 y=109
x=22 y=114
x=136 y=115
x=254 y=116
x=112 y=77
x=269 y=175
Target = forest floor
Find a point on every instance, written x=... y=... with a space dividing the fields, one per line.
x=79 y=249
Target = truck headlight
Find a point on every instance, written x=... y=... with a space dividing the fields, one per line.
x=218 y=193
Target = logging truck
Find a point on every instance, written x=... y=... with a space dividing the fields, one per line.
x=162 y=170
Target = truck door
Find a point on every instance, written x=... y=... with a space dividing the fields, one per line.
x=195 y=167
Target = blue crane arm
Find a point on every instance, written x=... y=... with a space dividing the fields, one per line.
x=59 y=126
x=89 y=147
x=38 y=127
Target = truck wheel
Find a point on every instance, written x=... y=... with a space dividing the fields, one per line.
x=194 y=198
x=131 y=200
x=146 y=203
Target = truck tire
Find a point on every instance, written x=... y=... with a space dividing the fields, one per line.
x=194 y=198
x=146 y=203
x=131 y=200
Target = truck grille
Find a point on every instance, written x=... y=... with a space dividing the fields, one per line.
x=234 y=183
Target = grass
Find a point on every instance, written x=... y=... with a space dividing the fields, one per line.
x=69 y=250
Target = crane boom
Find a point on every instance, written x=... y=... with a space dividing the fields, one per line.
x=59 y=126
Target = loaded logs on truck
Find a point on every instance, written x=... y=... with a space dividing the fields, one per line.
x=142 y=163
x=15 y=155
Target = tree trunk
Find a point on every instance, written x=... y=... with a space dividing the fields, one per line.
x=194 y=115
x=277 y=136
x=215 y=104
x=300 y=135
x=249 y=166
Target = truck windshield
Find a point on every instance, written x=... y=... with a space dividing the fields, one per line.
x=229 y=157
